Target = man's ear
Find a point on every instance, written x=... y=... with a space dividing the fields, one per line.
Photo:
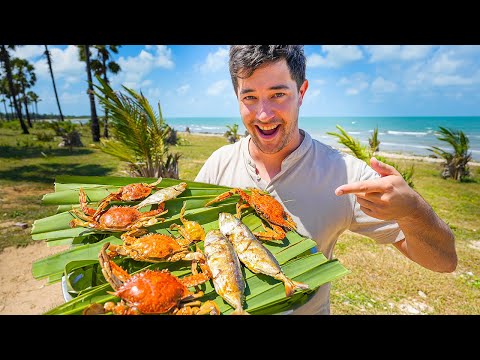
x=302 y=91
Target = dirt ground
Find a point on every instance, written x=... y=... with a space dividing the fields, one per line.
x=20 y=292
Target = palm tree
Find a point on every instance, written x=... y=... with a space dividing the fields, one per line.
x=232 y=133
x=34 y=98
x=100 y=66
x=24 y=76
x=456 y=163
x=365 y=153
x=140 y=134
x=84 y=55
x=49 y=61
x=4 y=101
x=374 y=142
x=5 y=60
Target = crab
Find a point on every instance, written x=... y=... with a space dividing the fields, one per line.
x=130 y=192
x=151 y=291
x=154 y=247
x=267 y=207
x=191 y=230
x=116 y=218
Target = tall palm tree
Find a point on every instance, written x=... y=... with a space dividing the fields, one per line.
x=5 y=60
x=4 y=101
x=84 y=55
x=24 y=75
x=34 y=98
x=49 y=61
x=100 y=66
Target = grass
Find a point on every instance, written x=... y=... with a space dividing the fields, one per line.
x=382 y=281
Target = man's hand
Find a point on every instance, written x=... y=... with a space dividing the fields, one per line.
x=386 y=198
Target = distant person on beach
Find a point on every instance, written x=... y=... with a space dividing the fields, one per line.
x=325 y=191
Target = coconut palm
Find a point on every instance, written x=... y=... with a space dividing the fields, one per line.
x=84 y=55
x=365 y=153
x=232 y=133
x=140 y=134
x=4 y=101
x=5 y=60
x=24 y=75
x=100 y=66
x=374 y=142
x=34 y=98
x=456 y=163
x=49 y=61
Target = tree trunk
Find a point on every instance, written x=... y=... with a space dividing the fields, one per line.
x=5 y=106
x=25 y=102
x=93 y=110
x=6 y=62
x=53 y=81
x=105 y=123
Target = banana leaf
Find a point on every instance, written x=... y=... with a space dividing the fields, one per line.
x=79 y=264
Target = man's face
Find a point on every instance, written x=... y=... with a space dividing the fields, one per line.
x=269 y=105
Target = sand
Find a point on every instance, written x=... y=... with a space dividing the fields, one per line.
x=20 y=292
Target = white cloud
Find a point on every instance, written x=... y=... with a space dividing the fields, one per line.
x=336 y=56
x=355 y=84
x=215 y=61
x=451 y=80
x=135 y=68
x=218 y=87
x=380 y=85
x=182 y=90
x=28 y=51
x=397 y=52
x=65 y=64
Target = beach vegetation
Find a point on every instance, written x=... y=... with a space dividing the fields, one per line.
x=232 y=134
x=456 y=162
x=374 y=141
x=139 y=133
x=365 y=153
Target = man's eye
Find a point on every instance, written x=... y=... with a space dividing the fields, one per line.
x=278 y=95
x=249 y=97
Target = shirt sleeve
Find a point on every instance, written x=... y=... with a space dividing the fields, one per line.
x=382 y=231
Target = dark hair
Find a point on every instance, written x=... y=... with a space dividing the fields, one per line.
x=245 y=59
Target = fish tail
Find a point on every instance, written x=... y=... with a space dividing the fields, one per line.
x=240 y=311
x=291 y=286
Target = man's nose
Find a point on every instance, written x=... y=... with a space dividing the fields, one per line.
x=265 y=111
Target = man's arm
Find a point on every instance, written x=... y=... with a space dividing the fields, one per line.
x=428 y=240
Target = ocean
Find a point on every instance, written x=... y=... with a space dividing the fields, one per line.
x=408 y=135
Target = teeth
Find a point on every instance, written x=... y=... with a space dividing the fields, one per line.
x=266 y=127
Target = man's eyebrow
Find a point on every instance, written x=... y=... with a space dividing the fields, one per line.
x=275 y=87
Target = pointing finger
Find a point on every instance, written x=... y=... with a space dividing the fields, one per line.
x=367 y=186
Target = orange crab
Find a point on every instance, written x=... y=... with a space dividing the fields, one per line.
x=151 y=291
x=267 y=207
x=116 y=218
x=130 y=192
x=191 y=230
x=154 y=248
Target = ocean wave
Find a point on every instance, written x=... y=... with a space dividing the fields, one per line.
x=414 y=133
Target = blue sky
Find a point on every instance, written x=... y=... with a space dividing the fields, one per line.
x=344 y=80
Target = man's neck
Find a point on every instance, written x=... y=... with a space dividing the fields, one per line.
x=269 y=165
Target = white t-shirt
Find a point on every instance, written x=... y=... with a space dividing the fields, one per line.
x=306 y=187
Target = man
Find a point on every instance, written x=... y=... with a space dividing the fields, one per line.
x=325 y=191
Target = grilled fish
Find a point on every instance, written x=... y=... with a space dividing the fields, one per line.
x=163 y=195
x=226 y=270
x=253 y=254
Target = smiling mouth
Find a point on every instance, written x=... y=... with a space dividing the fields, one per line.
x=267 y=131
